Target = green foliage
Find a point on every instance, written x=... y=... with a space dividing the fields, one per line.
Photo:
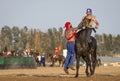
x=25 y=39
x=108 y=44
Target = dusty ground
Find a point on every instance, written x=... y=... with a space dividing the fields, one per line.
x=108 y=73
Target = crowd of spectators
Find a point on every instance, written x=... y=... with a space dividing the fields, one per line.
x=40 y=59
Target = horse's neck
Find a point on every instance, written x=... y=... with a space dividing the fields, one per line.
x=50 y=55
x=83 y=38
x=83 y=35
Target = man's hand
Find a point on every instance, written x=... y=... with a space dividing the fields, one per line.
x=96 y=27
x=75 y=29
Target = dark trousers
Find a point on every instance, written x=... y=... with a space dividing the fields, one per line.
x=89 y=32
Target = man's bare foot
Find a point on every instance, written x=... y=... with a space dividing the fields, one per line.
x=66 y=71
x=72 y=68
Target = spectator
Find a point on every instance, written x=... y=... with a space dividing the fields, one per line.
x=39 y=59
x=43 y=60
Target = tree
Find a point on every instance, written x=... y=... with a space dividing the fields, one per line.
x=6 y=37
x=37 y=40
x=24 y=37
x=15 y=38
x=62 y=38
x=116 y=45
x=52 y=40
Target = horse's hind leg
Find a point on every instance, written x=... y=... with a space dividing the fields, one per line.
x=59 y=63
x=52 y=62
x=86 y=71
x=77 y=66
x=94 y=61
x=63 y=62
x=88 y=65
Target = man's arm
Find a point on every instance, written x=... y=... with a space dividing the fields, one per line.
x=96 y=22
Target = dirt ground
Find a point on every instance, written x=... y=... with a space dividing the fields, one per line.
x=108 y=73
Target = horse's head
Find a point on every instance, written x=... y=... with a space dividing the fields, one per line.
x=49 y=55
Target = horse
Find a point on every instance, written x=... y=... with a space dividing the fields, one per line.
x=59 y=58
x=86 y=51
x=98 y=62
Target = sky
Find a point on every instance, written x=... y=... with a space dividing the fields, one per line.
x=45 y=14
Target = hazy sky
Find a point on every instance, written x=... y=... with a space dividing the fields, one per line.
x=44 y=14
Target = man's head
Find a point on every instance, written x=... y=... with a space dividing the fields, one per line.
x=89 y=11
x=67 y=25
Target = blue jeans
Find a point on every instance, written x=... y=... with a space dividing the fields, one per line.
x=69 y=61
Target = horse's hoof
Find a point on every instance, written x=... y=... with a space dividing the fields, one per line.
x=51 y=65
x=76 y=76
x=92 y=73
x=88 y=75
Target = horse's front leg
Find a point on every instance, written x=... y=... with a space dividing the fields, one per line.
x=87 y=65
x=63 y=62
x=94 y=61
x=77 y=65
x=59 y=63
x=52 y=59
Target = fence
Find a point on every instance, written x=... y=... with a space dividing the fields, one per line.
x=12 y=62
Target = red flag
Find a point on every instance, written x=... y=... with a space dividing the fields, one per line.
x=57 y=51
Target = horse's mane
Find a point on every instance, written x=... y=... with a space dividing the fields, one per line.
x=82 y=33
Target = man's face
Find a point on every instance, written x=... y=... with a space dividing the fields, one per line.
x=70 y=26
x=88 y=13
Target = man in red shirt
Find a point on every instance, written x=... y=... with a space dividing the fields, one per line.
x=70 y=36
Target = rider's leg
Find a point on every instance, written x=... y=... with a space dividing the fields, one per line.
x=88 y=37
x=89 y=34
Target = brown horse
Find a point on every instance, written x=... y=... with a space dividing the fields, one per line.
x=59 y=58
